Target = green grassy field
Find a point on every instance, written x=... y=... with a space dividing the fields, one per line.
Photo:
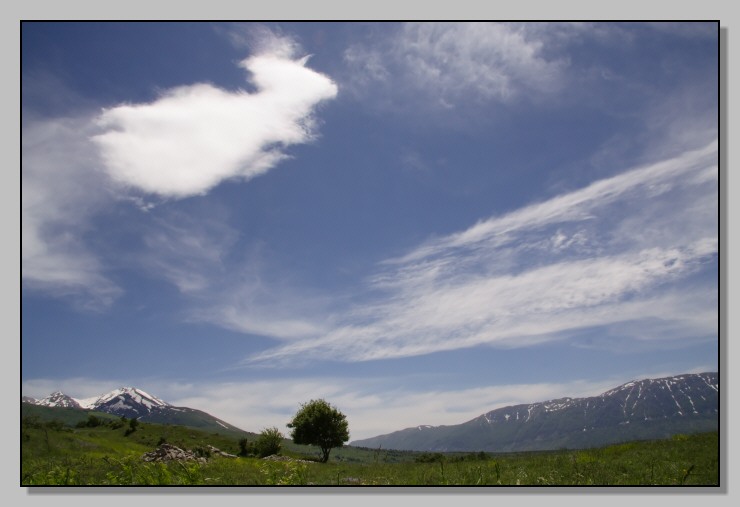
x=55 y=453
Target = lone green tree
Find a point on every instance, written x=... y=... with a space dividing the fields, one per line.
x=318 y=423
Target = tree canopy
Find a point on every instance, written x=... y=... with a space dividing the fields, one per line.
x=318 y=423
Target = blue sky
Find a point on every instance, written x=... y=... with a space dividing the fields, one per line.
x=417 y=222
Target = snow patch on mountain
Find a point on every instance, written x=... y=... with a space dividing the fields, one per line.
x=126 y=396
x=58 y=399
x=128 y=401
x=639 y=409
x=134 y=403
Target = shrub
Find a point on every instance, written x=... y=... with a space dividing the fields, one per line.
x=92 y=422
x=269 y=442
x=429 y=457
x=132 y=425
x=116 y=424
x=245 y=449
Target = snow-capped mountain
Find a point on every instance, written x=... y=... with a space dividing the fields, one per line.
x=645 y=400
x=58 y=399
x=134 y=403
x=126 y=401
x=645 y=409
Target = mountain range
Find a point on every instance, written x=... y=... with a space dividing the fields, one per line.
x=131 y=402
x=637 y=410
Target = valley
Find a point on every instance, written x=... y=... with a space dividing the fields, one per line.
x=649 y=432
x=58 y=455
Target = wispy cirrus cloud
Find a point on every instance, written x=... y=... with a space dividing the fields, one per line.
x=639 y=185
x=60 y=192
x=222 y=281
x=243 y=301
x=255 y=301
x=448 y=61
x=190 y=253
x=615 y=252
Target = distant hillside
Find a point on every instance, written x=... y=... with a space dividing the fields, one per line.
x=66 y=415
x=129 y=402
x=638 y=410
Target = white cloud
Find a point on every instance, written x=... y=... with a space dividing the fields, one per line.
x=194 y=137
x=506 y=282
x=183 y=144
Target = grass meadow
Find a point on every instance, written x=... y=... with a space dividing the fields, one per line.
x=55 y=454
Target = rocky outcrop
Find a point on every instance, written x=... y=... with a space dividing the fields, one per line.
x=169 y=452
x=215 y=450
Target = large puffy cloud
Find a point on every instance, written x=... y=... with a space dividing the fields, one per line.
x=193 y=137
x=189 y=140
